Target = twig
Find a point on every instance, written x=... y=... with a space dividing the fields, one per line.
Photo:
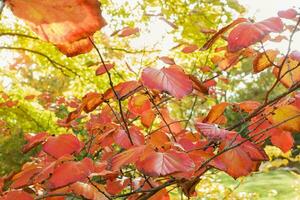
x=114 y=91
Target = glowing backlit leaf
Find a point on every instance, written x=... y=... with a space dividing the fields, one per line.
x=246 y=34
x=288 y=116
x=79 y=19
x=264 y=60
x=139 y=104
x=287 y=14
x=172 y=80
x=290 y=72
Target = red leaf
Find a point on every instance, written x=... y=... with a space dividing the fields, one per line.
x=214 y=38
x=283 y=140
x=62 y=145
x=17 y=195
x=88 y=191
x=165 y=163
x=34 y=140
x=122 y=89
x=116 y=186
x=60 y=21
x=101 y=70
x=190 y=48
x=126 y=157
x=172 y=80
x=24 y=178
x=247 y=34
x=121 y=138
x=295 y=55
x=127 y=31
x=70 y=172
x=287 y=14
x=240 y=161
x=211 y=131
x=167 y=60
x=139 y=104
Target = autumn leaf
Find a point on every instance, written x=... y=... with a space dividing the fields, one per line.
x=17 y=194
x=190 y=48
x=216 y=112
x=61 y=145
x=240 y=161
x=290 y=72
x=139 y=104
x=102 y=69
x=34 y=140
x=264 y=60
x=246 y=34
x=172 y=80
x=295 y=55
x=79 y=21
x=287 y=14
x=217 y=35
x=167 y=60
x=211 y=131
x=288 y=116
x=70 y=172
x=165 y=163
x=88 y=191
x=128 y=31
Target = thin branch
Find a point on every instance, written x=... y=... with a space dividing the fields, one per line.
x=114 y=91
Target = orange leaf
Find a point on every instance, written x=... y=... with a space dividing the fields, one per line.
x=215 y=112
x=60 y=21
x=248 y=106
x=75 y=48
x=139 y=104
x=290 y=70
x=285 y=113
x=147 y=118
x=264 y=60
